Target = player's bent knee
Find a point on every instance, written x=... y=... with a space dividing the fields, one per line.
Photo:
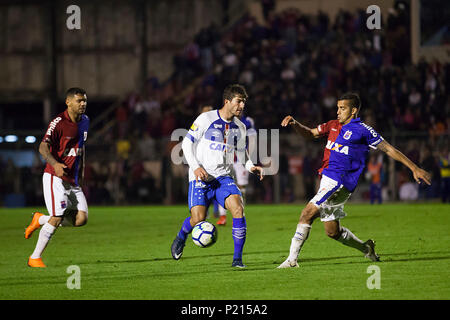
x=81 y=219
x=332 y=231
x=237 y=212
x=195 y=220
x=309 y=213
x=333 y=234
x=55 y=221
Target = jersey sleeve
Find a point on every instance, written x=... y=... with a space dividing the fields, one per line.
x=197 y=128
x=324 y=128
x=53 y=134
x=371 y=137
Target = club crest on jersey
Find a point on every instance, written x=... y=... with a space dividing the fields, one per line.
x=63 y=204
x=347 y=134
x=333 y=146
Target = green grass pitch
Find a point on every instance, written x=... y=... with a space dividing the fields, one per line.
x=124 y=253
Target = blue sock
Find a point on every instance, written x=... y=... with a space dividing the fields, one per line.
x=186 y=228
x=216 y=206
x=239 y=233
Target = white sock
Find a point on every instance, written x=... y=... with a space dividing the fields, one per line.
x=349 y=239
x=43 y=219
x=300 y=236
x=45 y=235
x=222 y=211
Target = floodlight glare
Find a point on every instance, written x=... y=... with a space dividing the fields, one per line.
x=30 y=139
x=11 y=138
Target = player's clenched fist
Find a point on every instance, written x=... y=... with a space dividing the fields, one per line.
x=59 y=169
x=200 y=174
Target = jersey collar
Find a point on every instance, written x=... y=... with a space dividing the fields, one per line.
x=223 y=119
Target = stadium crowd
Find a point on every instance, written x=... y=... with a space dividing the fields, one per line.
x=293 y=63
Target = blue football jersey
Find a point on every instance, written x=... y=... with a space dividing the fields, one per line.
x=349 y=153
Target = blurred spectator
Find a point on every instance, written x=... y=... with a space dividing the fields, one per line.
x=408 y=191
x=267 y=7
x=122 y=119
x=444 y=164
x=374 y=173
x=294 y=63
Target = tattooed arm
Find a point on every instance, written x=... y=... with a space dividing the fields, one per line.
x=418 y=173
x=44 y=150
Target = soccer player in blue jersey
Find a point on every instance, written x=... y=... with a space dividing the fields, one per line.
x=209 y=147
x=348 y=156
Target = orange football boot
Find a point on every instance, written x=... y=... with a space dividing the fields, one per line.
x=33 y=225
x=36 y=263
x=222 y=221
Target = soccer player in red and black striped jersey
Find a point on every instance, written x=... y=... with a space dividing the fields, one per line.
x=63 y=148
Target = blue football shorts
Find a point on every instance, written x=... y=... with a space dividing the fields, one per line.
x=201 y=193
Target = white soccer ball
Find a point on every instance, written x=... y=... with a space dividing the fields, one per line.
x=204 y=234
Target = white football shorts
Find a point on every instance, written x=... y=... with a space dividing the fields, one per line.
x=60 y=196
x=330 y=199
x=241 y=174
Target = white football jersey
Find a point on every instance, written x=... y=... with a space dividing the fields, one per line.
x=212 y=142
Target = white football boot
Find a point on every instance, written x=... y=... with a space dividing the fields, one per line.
x=288 y=264
x=370 y=250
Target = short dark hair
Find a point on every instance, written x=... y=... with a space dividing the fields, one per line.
x=355 y=101
x=74 y=91
x=233 y=90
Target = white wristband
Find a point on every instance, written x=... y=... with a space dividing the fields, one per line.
x=249 y=165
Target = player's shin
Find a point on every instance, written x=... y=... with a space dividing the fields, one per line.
x=300 y=236
x=45 y=235
x=239 y=233
x=186 y=228
x=222 y=211
x=349 y=239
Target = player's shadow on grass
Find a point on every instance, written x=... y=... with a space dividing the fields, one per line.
x=385 y=257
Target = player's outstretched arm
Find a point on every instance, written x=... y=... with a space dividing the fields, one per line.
x=258 y=171
x=300 y=128
x=418 y=173
x=44 y=150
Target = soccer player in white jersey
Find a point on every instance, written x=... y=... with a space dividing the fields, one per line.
x=241 y=174
x=209 y=148
x=347 y=159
